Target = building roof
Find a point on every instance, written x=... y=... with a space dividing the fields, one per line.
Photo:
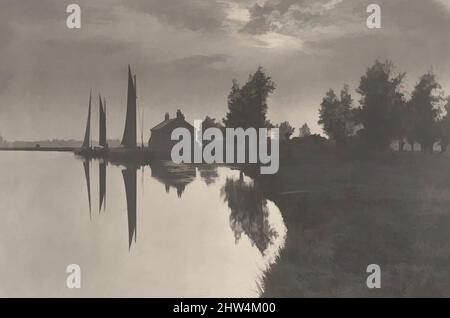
x=166 y=123
x=163 y=124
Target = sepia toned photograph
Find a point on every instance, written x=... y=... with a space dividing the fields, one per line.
x=224 y=149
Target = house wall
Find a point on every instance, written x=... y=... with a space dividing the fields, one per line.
x=160 y=140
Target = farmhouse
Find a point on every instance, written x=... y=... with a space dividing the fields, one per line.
x=160 y=142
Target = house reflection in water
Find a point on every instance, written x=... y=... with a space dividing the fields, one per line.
x=208 y=173
x=177 y=176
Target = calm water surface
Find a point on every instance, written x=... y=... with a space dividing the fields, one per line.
x=162 y=230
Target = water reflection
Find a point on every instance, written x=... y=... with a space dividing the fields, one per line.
x=87 y=173
x=172 y=175
x=129 y=180
x=250 y=220
x=102 y=184
x=208 y=173
x=149 y=243
x=249 y=212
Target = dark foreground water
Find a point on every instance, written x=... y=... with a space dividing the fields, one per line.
x=161 y=231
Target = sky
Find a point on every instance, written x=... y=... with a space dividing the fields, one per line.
x=186 y=53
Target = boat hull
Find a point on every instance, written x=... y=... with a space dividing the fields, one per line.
x=92 y=153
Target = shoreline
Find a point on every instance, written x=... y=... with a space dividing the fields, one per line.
x=43 y=149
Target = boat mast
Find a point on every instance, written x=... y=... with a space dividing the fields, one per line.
x=141 y=114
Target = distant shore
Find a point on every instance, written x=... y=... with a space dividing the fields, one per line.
x=57 y=149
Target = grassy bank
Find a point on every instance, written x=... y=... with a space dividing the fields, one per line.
x=344 y=212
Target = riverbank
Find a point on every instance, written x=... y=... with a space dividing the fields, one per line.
x=343 y=214
x=48 y=149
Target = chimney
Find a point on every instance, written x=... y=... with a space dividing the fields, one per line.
x=180 y=114
x=167 y=117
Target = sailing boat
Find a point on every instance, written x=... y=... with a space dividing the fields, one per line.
x=86 y=147
x=129 y=151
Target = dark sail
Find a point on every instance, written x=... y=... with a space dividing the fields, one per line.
x=142 y=129
x=129 y=179
x=102 y=124
x=129 y=134
x=88 y=182
x=102 y=184
x=104 y=112
x=87 y=134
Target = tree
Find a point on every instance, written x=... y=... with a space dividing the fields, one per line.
x=380 y=103
x=424 y=103
x=403 y=123
x=444 y=127
x=335 y=114
x=236 y=109
x=209 y=122
x=408 y=123
x=247 y=105
x=304 y=131
x=286 y=131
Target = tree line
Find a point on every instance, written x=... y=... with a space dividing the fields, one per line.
x=385 y=111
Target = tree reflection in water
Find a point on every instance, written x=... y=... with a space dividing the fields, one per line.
x=249 y=212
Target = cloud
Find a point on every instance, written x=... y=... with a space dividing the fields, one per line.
x=195 y=15
x=236 y=11
x=292 y=16
x=444 y=3
x=288 y=16
x=17 y=12
x=314 y=22
x=198 y=62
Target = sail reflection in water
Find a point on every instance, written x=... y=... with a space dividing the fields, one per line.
x=129 y=179
x=102 y=184
x=87 y=173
